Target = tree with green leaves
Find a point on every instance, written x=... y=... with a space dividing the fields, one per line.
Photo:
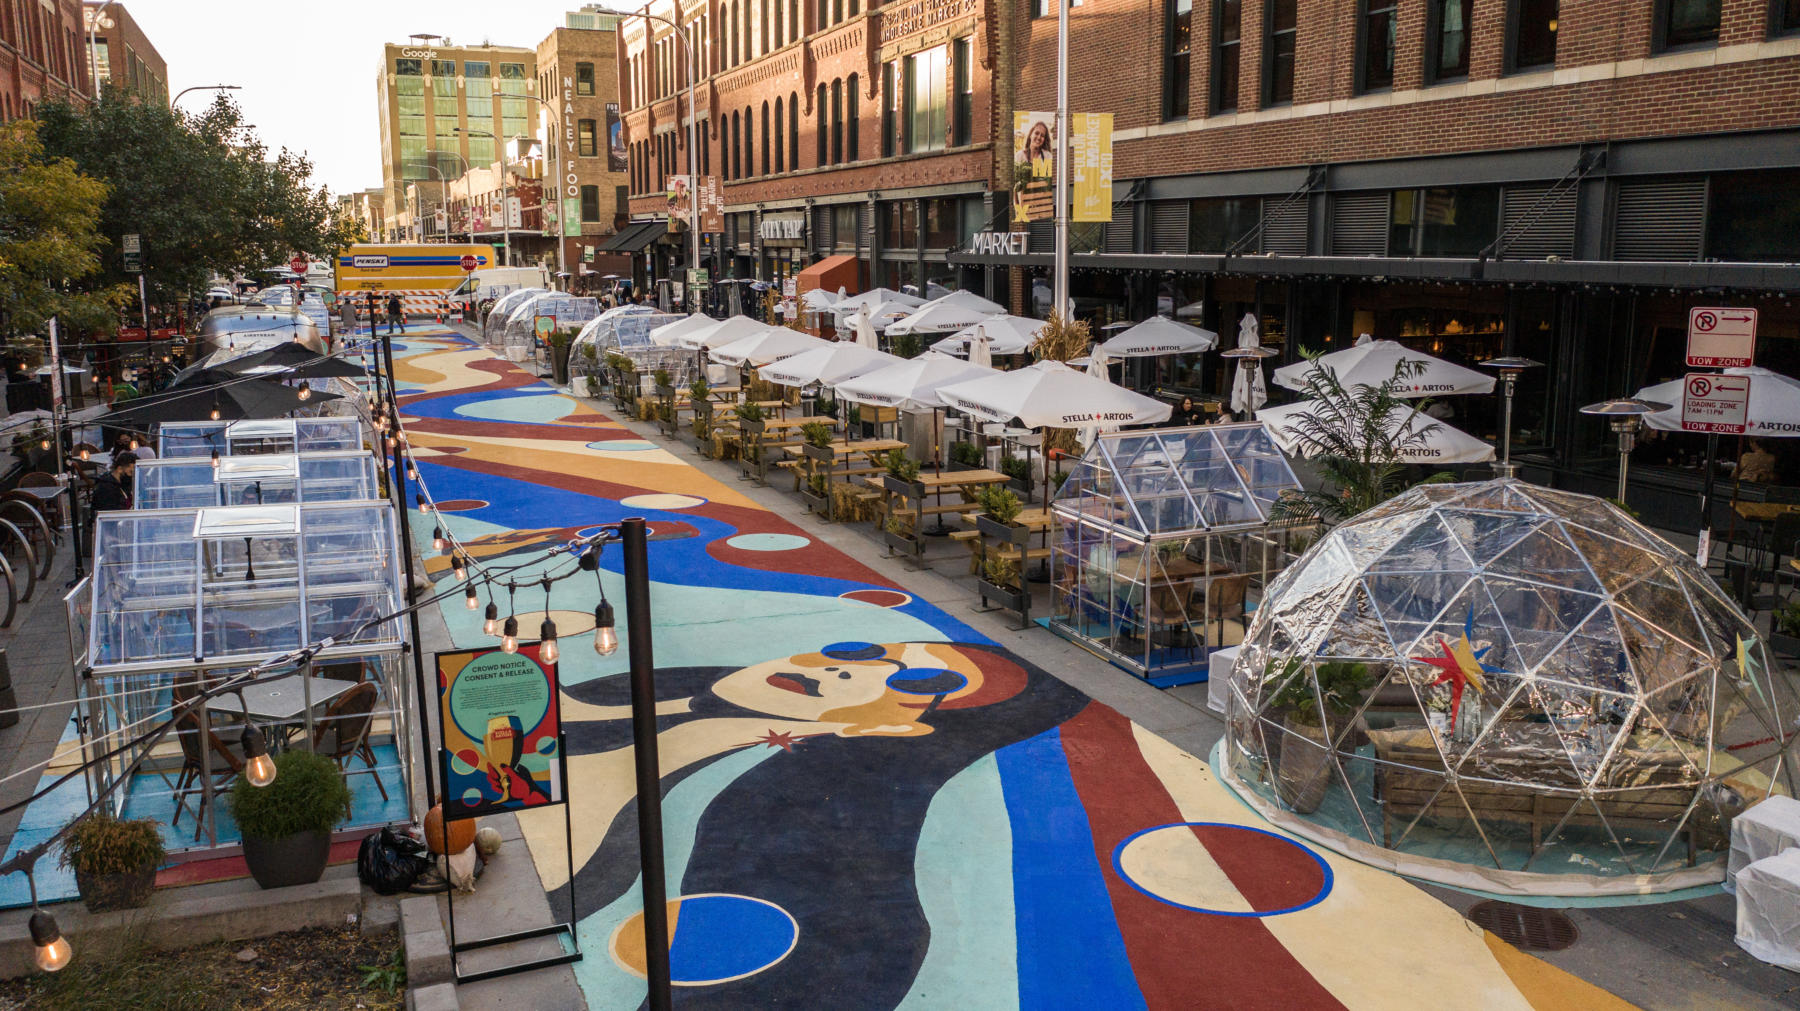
x=49 y=239
x=201 y=190
x=1358 y=438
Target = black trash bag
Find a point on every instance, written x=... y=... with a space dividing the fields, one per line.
x=389 y=862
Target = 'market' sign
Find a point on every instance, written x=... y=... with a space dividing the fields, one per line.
x=998 y=243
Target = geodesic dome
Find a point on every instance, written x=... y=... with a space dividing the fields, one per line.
x=1512 y=688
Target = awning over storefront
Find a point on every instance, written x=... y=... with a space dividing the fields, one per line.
x=831 y=273
x=634 y=236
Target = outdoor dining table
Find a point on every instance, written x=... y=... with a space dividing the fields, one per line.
x=282 y=703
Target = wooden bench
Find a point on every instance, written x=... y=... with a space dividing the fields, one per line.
x=1651 y=789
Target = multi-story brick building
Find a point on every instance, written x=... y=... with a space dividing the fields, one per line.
x=1558 y=180
x=442 y=110
x=120 y=54
x=856 y=138
x=578 y=71
x=41 y=55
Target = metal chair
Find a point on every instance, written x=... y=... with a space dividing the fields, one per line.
x=1224 y=598
x=192 y=778
x=343 y=733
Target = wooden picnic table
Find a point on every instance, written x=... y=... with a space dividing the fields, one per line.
x=1033 y=519
x=1765 y=512
x=782 y=424
x=852 y=447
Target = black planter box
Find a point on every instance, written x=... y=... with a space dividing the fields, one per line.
x=912 y=489
x=823 y=454
x=1005 y=533
x=904 y=542
x=1785 y=645
x=1016 y=601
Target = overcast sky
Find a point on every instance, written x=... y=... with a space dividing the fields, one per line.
x=307 y=70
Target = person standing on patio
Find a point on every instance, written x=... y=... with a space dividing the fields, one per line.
x=112 y=490
x=396 y=312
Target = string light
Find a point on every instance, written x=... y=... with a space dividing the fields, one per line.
x=548 y=650
x=215 y=459
x=437 y=539
x=606 y=637
x=259 y=768
x=509 y=632
x=305 y=392
x=459 y=564
x=51 y=950
x=214 y=414
x=469 y=600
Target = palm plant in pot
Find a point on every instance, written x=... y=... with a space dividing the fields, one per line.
x=1304 y=770
x=114 y=861
x=287 y=824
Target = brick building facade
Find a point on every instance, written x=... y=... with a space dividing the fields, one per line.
x=42 y=55
x=834 y=130
x=121 y=54
x=578 y=72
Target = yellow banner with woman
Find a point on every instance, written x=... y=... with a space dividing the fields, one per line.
x=1034 y=167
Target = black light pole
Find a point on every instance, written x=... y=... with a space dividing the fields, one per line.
x=633 y=533
x=412 y=613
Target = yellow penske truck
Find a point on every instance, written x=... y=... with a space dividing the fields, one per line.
x=423 y=275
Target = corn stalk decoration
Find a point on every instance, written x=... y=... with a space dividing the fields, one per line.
x=1060 y=340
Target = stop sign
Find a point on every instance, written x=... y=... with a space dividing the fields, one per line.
x=469 y=262
x=298 y=265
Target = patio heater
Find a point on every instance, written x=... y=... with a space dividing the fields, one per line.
x=1248 y=359
x=1626 y=415
x=1510 y=368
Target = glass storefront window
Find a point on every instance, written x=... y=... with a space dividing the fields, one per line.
x=1213 y=225
x=1754 y=217
x=899 y=225
x=843 y=225
x=1442 y=221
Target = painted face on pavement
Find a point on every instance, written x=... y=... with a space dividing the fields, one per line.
x=871 y=689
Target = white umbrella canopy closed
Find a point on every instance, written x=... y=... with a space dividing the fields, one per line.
x=1158 y=335
x=828 y=365
x=865 y=331
x=772 y=345
x=952 y=312
x=1052 y=395
x=724 y=332
x=1774 y=403
x=1372 y=362
x=1007 y=335
x=981 y=352
x=1442 y=443
x=910 y=385
x=665 y=335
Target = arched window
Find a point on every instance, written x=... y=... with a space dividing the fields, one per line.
x=730 y=30
x=780 y=128
x=824 y=128
x=768 y=22
x=824 y=15
x=765 y=138
x=749 y=148
x=852 y=99
x=794 y=130
x=746 y=31
x=793 y=20
x=837 y=122
x=724 y=151
x=737 y=161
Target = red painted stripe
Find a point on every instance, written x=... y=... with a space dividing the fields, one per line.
x=1263 y=867
x=1183 y=959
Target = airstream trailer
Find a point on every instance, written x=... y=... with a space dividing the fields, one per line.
x=234 y=331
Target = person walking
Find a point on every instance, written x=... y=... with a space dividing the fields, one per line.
x=396 y=313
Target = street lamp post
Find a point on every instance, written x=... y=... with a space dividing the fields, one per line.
x=97 y=19
x=681 y=35
x=204 y=87
x=1061 y=289
x=446 y=183
x=419 y=228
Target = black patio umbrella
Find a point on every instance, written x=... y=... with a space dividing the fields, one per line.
x=234 y=397
x=297 y=361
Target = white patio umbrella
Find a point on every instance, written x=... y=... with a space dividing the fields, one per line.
x=1774 y=403
x=1158 y=335
x=1372 y=362
x=1007 y=335
x=952 y=312
x=828 y=365
x=910 y=385
x=665 y=335
x=1052 y=395
x=772 y=345
x=1442 y=444
x=817 y=298
x=874 y=296
x=885 y=314
x=724 y=332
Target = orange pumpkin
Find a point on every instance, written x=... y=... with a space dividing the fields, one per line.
x=461 y=833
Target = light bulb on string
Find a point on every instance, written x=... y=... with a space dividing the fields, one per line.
x=215 y=459
x=509 y=636
x=86 y=454
x=606 y=638
x=214 y=414
x=469 y=600
x=437 y=539
x=549 y=650
x=305 y=391
x=459 y=564
x=50 y=949
x=412 y=470
x=259 y=768
x=491 y=623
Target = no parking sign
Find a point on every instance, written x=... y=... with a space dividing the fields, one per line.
x=1716 y=404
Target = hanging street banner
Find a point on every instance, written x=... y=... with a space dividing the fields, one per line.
x=571 y=217
x=1034 y=167
x=1721 y=337
x=616 y=152
x=1090 y=150
x=712 y=205
x=680 y=191
x=1715 y=404
x=502 y=730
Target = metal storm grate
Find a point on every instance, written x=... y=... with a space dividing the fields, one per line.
x=1525 y=927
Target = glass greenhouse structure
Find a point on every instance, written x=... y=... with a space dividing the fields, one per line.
x=1510 y=688
x=1161 y=539
x=188 y=482
x=270 y=435
x=495 y=323
x=183 y=600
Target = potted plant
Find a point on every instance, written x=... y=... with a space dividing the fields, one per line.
x=965 y=456
x=1785 y=629
x=700 y=396
x=114 y=861
x=817 y=492
x=996 y=523
x=560 y=343
x=591 y=357
x=902 y=477
x=1018 y=471
x=624 y=379
x=287 y=824
x=1303 y=773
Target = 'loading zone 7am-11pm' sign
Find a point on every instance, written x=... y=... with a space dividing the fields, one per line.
x=502 y=731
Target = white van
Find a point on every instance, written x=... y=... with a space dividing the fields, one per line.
x=483 y=287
